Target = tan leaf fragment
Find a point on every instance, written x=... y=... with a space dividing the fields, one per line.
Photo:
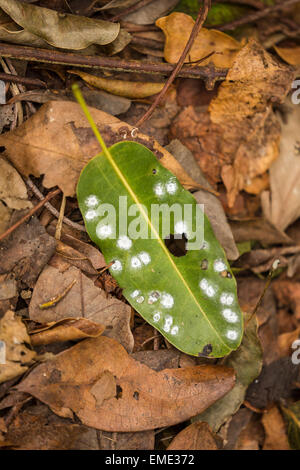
x=197 y=436
x=275 y=429
x=291 y=55
x=143 y=399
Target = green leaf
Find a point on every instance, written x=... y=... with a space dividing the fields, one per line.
x=218 y=14
x=190 y=299
x=292 y=415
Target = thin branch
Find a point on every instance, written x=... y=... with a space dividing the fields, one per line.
x=256 y=15
x=196 y=28
x=29 y=214
x=67 y=58
x=6 y=77
x=52 y=209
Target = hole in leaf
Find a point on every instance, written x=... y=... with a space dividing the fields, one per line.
x=154 y=171
x=118 y=392
x=204 y=264
x=176 y=246
x=136 y=395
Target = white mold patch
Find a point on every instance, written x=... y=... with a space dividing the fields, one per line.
x=205 y=245
x=92 y=201
x=135 y=293
x=140 y=299
x=135 y=262
x=181 y=227
x=124 y=242
x=90 y=214
x=103 y=231
x=167 y=301
x=226 y=299
x=171 y=186
x=144 y=257
x=219 y=266
x=153 y=297
x=230 y=315
x=156 y=317
x=207 y=288
x=168 y=323
x=232 y=335
x=174 y=330
x=159 y=189
x=117 y=266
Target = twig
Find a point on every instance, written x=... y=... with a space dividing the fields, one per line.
x=109 y=63
x=60 y=218
x=52 y=209
x=131 y=9
x=22 y=89
x=196 y=28
x=6 y=77
x=29 y=214
x=54 y=301
x=255 y=16
x=15 y=91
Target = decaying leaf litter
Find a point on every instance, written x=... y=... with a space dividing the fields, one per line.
x=77 y=352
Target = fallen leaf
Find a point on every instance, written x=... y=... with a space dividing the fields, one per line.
x=142 y=398
x=196 y=436
x=58 y=141
x=143 y=440
x=225 y=137
x=286 y=340
x=129 y=89
x=288 y=294
x=178 y=27
x=60 y=30
x=276 y=437
x=15 y=355
x=69 y=329
x=212 y=206
x=247 y=363
x=292 y=414
x=26 y=251
x=291 y=55
x=281 y=204
x=83 y=300
x=13 y=191
x=258 y=229
x=149 y=13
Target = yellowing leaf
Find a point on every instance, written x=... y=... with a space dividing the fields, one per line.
x=291 y=55
x=121 y=87
x=178 y=27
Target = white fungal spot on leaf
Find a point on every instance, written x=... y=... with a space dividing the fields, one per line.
x=103 y=231
x=167 y=301
x=232 y=335
x=124 y=242
x=168 y=323
x=117 y=266
x=144 y=257
x=156 y=317
x=91 y=214
x=135 y=262
x=226 y=299
x=135 y=293
x=229 y=315
x=171 y=186
x=219 y=266
x=174 y=330
x=203 y=284
x=181 y=227
x=140 y=299
x=92 y=201
x=207 y=288
x=153 y=297
x=159 y=189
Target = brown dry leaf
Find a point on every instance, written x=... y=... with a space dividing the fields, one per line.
x=83 y=300
x=281 y=204
x=258 y=229
x=26 y=251
x=15 y=355
x=69 y=329
x=75 y=258
x=275 y=429
x=196 y=436
x=237 y=138
x=57 y=142
x=108 y=390
x=143 y=440
x=178 y=27
x=126 y=88
x=13 y=191
x=286 y=340
x=288 y=294
x=291 y=55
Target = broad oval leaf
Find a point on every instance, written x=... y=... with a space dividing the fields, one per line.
x=190 y=299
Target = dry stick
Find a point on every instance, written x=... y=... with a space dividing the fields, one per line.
x=136 y=6
x=52 y=209
x=68 y=58
x=22 y=89
x=255 y=16
x=6 y=77
x=60 y=218
x=29 y=214
x=196 y=28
